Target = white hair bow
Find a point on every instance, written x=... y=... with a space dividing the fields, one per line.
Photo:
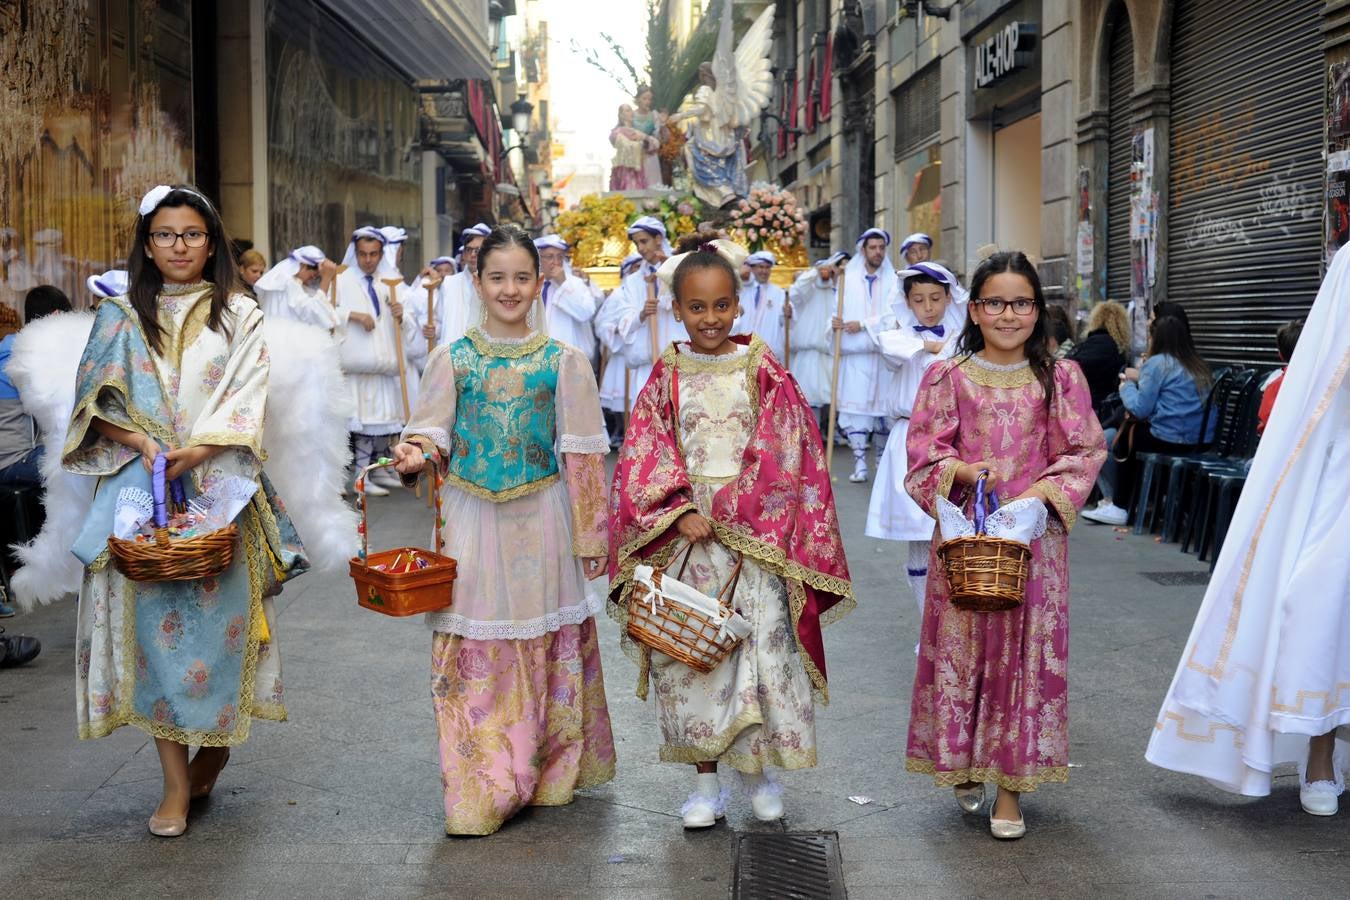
x=729 y=250
x=153 y=198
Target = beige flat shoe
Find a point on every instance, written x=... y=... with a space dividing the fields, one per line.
x=1006 y=829
x=168 y=826
x=970 y=799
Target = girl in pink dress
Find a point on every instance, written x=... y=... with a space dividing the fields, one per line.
x=991 y=699
x=631 y=148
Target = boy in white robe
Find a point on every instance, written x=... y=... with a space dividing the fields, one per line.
x=916 y=248
x=642 y=314
x=567 y=306
x=297 y=288
x=370 y=325
x=457 y=305
x=927 y=322
x=764 y=309
x=616 y=379
x=870 y=290
x=813 y=302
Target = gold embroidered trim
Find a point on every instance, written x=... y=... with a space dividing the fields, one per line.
x=1022 y=784
x=947 y=469
x=708 y=479
x=147 y=424
x=252 y=443
x=248 y=709
x=1207 y=738
x=487 y=346
x=725 y=364
x=1068 y=513
x=996 y=378
x=718 y=749
x=513 y=493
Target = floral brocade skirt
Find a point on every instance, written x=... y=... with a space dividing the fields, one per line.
x=520 y=723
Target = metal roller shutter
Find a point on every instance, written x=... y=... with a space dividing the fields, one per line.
x=1120 y=88
x=1245 y=206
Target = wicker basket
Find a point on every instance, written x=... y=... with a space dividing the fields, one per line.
x=402 y=593
x=681 y=632
x=986 y=574
x=173 y=559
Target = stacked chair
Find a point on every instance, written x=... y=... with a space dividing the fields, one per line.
x=1190 y=498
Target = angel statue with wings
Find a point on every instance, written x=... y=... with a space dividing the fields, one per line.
x=732 y=90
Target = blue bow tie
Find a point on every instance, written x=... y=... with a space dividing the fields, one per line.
x=938 y=330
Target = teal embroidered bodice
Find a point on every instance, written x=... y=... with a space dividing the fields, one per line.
x=505 y=415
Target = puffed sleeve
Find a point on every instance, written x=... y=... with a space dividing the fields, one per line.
x=583 y=445
x=1076 y=446
x=434 y=417
x=931 y=443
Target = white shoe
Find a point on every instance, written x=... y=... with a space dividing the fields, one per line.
x=385 y=478
x=1107 y=514
x=1006 y=830
x=1320 y=798
x=859 y=473
x=766 y=797
x=373 y=488
x=703 y=810
x=970 y=799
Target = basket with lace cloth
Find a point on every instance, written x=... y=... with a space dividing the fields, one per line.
x=407 y=580
x=168 y=558
x=987 y=560
x=681 y=621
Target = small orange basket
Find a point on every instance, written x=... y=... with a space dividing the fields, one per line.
x=408 y=580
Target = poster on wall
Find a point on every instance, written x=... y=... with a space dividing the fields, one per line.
x=1337 y=226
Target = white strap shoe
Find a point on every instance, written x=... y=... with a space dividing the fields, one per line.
x=703 y=810
x=766 y=797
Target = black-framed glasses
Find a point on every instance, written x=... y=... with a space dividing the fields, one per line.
x=193 y=239
x=1022 y=306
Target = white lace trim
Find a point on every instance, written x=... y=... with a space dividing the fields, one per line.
x=515 y=630
x=687 y=349
x=439 y=436
x=999 y=367
x=591 y=443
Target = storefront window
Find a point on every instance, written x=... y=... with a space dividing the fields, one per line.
x=919 y=201
x=90 y=122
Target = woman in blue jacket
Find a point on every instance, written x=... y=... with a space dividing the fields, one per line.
x=1167 y=395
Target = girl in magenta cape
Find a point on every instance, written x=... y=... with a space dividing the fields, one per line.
x=990 y=698
x=723 y=452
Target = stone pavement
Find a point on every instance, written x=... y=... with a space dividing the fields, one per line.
x=344 y=799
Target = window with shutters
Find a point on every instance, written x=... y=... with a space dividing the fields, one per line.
x=917 y=120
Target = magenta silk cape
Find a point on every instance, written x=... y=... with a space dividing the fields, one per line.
x=991 y=698
x=779 y=511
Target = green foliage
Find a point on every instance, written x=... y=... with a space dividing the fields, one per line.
x=672 y=72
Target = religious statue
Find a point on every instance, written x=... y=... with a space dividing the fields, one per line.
x=732 y=90
x=632 y=150
x=652 y=123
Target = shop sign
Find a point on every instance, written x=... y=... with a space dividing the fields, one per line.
x=1008 y=50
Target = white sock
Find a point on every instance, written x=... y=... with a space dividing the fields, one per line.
x=708 y=785
x=916 y=570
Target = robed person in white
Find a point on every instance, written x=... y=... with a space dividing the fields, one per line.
x=296 y=288
x=639 y=320
x=764 y=309
x=1265 y=675
x=566 y=310
x=814 y=302
x=457 y=306
x=870 y=290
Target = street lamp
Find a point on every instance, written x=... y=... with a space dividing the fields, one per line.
x=519 y=122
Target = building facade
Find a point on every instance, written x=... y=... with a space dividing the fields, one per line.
x=303 y=118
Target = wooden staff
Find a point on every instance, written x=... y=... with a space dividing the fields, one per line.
x=834 y=376
x=393 y=284
x=627 y=390
x=332 y=285
x=431 y=309
x=651 y=320
x=787 y=330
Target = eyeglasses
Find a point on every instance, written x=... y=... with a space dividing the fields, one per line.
x=165 y=239
x=1022 y=306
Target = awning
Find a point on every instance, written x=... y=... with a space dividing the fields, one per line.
x=426 y=39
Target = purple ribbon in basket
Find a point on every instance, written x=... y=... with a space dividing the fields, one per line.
x=157 y=486
x=985 y=503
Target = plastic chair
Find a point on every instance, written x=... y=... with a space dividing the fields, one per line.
x=21 y=518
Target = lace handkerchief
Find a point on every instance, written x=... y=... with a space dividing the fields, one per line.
x=1022 y=521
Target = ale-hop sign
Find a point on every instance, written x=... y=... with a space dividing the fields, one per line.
x=1007 y=50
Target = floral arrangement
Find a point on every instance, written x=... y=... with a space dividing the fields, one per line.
x=680 y=212
x=770 y=219
x=597 y=229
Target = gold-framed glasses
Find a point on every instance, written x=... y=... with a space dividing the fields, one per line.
x=164 y=239
x=1022 y=306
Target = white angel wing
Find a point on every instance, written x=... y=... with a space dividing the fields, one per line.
x=305 y=436
x=724 y=70
x=754 y=78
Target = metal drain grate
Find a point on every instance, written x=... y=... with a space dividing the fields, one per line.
x=802 y=866
x=1178 y=579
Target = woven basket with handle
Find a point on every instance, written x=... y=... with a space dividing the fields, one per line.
x=382 y=589
x=169 y=558
x=679 y=631
x=986 y=574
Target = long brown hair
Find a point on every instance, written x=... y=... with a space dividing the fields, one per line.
x=145 y=280
x=1037 y=347
x=1170 y=336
